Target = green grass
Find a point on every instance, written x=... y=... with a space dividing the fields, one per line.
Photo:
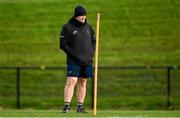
x=132 y=32
x=123 y=89
x=100 y=113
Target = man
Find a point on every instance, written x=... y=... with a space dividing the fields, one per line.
x=78 y=42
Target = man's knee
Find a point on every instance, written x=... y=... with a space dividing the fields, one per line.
x=82 y=82
x=71 y=81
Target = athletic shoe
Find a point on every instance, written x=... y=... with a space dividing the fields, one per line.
x=81 y=109
x=66 y=109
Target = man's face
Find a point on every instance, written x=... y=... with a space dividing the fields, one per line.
x=81 y=19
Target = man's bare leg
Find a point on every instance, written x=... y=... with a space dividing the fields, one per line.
x=68 y=92
x=69 y=88
x=81 y=89
x=81 y=93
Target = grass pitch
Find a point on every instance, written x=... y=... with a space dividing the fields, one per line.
x=100 y=113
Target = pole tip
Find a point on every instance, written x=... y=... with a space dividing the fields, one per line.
x=98 y=16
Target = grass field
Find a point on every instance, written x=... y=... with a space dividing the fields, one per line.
x=100 y=113
x=132 y=32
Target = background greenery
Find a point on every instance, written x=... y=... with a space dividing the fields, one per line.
x=132 y=32
x=100 y=113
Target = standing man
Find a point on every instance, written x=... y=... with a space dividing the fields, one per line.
x=77 y=40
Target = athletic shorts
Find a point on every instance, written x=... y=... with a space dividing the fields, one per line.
x=80 y=71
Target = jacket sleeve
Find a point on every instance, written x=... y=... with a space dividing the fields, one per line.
x=64 y=41
x=93 y=38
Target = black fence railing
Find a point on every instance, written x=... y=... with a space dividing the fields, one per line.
x=168 y=68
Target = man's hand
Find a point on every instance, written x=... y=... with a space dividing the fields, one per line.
x=82 y=61
x=79 y=59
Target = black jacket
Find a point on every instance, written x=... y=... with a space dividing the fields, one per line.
x=77 y=40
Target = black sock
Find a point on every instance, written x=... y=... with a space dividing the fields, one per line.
x=66 y=104
x=79 y=104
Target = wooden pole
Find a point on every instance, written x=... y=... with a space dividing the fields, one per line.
x=96 y=62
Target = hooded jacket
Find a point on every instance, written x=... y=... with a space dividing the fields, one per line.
x=77 y=40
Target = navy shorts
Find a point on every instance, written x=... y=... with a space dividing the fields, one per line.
x=79 y=71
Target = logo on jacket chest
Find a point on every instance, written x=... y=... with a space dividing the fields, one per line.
x=75 y=32
x=87 y=32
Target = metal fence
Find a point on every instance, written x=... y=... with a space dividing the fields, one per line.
x=169 y=76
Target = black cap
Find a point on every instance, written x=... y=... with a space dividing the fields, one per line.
x=79 y=11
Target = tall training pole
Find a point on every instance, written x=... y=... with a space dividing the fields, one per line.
x=96 y=62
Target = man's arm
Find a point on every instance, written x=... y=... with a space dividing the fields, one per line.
x=64 y=42
x=93 y=38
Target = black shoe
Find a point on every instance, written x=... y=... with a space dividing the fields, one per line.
x=66 y=109
x=81 y=109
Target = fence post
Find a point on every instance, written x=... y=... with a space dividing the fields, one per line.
x=169 y=97
x=92 y=92
x=18 y=87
